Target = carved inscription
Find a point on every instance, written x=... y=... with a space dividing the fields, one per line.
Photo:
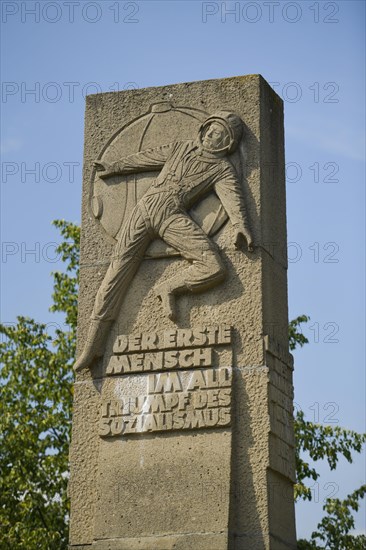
x=168 y=350
x=173 y=401
x=173 y=339
x=179 y=379
x=181 y=359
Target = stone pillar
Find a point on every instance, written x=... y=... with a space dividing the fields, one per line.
x=182 y=428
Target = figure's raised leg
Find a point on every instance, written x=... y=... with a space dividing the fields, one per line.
x=206 y=269
x=127 y=256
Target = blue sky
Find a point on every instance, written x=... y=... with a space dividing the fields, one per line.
x=312 y=52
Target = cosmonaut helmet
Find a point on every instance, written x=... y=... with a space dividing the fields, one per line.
x=233 y=125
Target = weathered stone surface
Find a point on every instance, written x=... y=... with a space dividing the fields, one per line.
x=202 y=541
x=167 y=453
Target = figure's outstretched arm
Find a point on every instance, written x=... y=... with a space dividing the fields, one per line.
x=229 y=191
x=151 y=159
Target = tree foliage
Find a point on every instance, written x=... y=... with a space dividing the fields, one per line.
x=321 y=443
x=328 y=443
x=334 y=529
x=35 y=420
x=35 y=416
x=295 y=336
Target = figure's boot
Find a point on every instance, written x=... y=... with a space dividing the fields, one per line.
x=94 y=345
x=165 y=294
x=196 y=278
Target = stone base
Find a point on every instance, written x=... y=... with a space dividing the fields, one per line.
x=194 y=541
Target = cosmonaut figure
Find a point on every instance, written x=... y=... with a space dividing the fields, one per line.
x=188 y=171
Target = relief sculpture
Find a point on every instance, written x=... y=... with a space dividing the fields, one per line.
x=186 y=172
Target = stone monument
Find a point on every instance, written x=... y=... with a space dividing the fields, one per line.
x=182 y=428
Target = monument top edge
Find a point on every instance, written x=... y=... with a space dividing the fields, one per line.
x=247 y=78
